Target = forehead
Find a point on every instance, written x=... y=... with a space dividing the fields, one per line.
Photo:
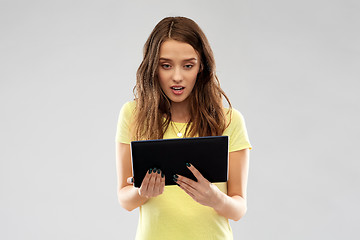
x=173 y=49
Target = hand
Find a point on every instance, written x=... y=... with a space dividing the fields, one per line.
x=152 y=185
x=202 y=191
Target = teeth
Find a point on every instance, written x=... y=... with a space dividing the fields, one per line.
x=177 y=88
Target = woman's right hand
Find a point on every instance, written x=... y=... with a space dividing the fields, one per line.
x=153 y=183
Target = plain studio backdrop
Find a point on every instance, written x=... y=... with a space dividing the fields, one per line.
x=290 y=67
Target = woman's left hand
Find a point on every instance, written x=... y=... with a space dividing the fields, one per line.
x=202 y=191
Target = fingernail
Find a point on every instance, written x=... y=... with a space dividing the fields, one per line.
x=162 y=174
x=175 y=176
x=188 y=164
x=132 y=180
x=175 y=180
x=154 y=170
x=158 y=171
x=150 y=170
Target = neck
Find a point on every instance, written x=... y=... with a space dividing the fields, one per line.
x=180 y=112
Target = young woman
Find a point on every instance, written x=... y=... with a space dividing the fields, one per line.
x=177 y=94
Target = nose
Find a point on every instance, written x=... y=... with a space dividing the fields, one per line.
x=177 y=75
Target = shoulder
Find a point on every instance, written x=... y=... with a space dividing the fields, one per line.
x=236 y=130
x=233 y=115
x=128 y=107
x=127 y=112
x=125 y=121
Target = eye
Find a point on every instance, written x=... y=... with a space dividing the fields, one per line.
x=188 y=66
x=165 y=66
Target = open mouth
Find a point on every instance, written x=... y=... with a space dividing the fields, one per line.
x=177 y=88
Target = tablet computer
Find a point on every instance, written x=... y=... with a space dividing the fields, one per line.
x=209 y=155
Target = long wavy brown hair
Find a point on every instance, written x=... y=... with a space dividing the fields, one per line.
x=152 y=112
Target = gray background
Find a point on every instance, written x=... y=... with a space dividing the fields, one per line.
x=291 y=68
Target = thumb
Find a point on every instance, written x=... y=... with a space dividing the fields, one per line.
x=130 y=180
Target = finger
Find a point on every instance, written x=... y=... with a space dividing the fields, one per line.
x=162 y=182
x=182 y=181
x=157 y=187
x=151 y=185
x=130 y=180
x=187 y=191
x=144 y=185
x=186 y=181
x=195 y=172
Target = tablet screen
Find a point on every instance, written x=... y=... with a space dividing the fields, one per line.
x=208 y=154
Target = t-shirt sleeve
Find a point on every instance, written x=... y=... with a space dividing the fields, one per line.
x=237 y=132
x=123 y=124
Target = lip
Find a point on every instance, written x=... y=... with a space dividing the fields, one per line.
x=177 y=86
x=177 y=92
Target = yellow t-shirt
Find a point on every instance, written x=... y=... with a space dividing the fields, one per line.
x=174 y=214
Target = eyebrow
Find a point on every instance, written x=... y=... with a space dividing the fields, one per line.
x=185 y=60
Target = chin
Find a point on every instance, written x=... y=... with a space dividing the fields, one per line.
x=177 y=100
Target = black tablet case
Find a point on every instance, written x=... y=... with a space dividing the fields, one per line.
x=208 y=154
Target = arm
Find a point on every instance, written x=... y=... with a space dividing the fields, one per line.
x=128 y=195
x=233 y=205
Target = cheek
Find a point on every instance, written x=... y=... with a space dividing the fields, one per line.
x=162 y=81
x=162 y=75
x=193 y=77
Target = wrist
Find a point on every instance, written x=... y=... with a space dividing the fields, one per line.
x=140 y=195
x=219 y=200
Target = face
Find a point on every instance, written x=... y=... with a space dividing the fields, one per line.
x=179 y=65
